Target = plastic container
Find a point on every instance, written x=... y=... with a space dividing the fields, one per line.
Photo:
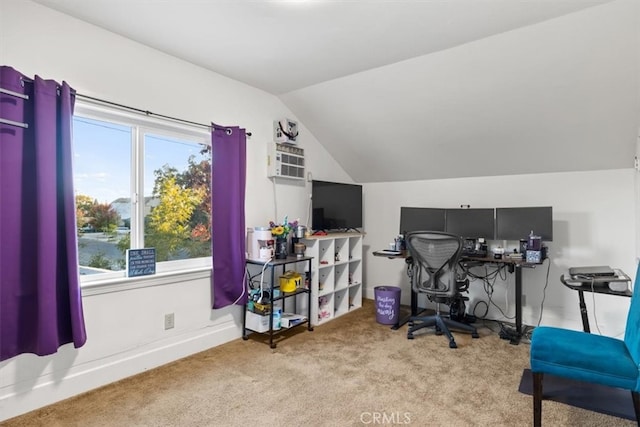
x=387 y=304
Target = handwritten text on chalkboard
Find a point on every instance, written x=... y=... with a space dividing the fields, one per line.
x=141 y=262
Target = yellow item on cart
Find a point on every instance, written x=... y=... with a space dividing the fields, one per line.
x=290 y=281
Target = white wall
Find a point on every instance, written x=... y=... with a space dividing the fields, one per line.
x=593 y=220
x=125 y=327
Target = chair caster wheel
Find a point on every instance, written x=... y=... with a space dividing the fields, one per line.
x=409 y=336
x=452 y=344
x=438 y=332
x=244 y=337
x=475 y=335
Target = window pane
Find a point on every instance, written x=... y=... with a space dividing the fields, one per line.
x=102 y=177
x=177 y=197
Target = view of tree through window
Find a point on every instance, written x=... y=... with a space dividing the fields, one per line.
x=115 y=162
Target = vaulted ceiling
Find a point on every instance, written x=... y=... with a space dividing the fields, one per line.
x=405 y=90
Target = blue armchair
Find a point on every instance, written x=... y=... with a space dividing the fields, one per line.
x=588 y=357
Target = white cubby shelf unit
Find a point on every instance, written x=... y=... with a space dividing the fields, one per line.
x=336 y=274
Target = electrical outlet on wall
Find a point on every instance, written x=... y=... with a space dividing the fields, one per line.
x=169 y=321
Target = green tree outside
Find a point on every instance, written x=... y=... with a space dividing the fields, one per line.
x=104 y=217
x=169 y=223
x=178 y=227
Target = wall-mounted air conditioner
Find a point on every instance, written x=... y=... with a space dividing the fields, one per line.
x=285 y=161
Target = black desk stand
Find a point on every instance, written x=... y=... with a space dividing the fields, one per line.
x=598 y=285
x=514 y=266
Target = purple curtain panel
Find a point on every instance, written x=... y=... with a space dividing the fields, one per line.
x=228 y=179
x=40 y=298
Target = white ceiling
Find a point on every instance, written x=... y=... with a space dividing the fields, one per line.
x=403 y=90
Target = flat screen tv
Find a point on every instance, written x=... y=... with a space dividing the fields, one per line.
x=421 y=219
x=518 y=223
x=335 y=206
x=470 y=223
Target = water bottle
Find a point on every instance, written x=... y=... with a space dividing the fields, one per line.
x=277 y=319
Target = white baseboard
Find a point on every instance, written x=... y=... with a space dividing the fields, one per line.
x=46 y=391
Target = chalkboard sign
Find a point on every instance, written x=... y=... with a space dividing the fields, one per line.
x=141 y=262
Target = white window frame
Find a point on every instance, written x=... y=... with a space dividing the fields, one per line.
x=142 y=125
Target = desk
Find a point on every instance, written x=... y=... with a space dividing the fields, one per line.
x=514 y=265
x=598 y=285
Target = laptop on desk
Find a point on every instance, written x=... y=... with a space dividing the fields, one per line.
x=594 y=272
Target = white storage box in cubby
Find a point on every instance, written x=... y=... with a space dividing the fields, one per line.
x=336 y=276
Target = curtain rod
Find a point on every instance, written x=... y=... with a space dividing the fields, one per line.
x=12 y=93
x=11 y=122
x=149 y=113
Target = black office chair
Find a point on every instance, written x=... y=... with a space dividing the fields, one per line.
x=433 y=260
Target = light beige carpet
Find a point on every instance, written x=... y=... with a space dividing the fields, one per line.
x=349 y=372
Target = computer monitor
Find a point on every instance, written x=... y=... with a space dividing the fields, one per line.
x=470 y=223
x=421 y=219
x=519 y=223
